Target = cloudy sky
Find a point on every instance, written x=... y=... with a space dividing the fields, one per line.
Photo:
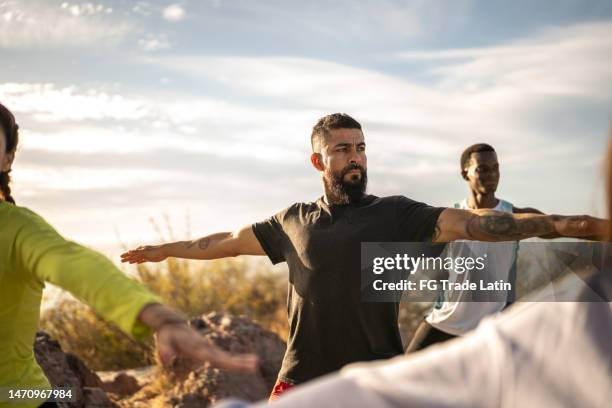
x=202 y=110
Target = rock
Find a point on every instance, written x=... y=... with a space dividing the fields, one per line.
x=184 y=386
x=86 y=377
x=208 y=385
x=96 y=398
x=67 y=370
x=122 y=385
x=205 y=385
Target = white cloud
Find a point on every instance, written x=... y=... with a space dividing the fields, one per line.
x=394 y=111
x=78 y=120
x=319 y=84
x=88 y=139
x=487 y=75
x=348 y=21
x=83 y=178
x=419 y=120
x=143 y=8
x=154 y=42
x=561 y=61
x=86 y=9
x=488 y=93
x=173 y=13
x=48 y=103
x=29 y=24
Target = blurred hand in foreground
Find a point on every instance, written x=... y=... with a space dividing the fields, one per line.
x=174 y=338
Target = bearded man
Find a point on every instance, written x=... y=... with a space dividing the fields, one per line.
x=329 y=325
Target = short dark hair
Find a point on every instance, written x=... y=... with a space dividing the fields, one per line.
x=475 y=148
x=330 y=122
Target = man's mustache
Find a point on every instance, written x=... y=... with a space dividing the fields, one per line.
x=353 y=166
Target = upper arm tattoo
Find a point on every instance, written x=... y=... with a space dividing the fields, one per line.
x=204 y=243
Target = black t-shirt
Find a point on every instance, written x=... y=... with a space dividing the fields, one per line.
x=329 y=325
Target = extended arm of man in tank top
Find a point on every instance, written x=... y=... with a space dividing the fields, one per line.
x=494 y=226
x=214 y=246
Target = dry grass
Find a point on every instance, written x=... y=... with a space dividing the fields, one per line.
x=194 y=288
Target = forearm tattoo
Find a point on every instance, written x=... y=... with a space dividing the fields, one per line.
x=505 y=227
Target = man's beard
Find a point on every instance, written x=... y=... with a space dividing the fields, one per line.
x=343 y=192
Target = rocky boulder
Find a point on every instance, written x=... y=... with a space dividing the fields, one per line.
x=67 y=370
x=183 y=385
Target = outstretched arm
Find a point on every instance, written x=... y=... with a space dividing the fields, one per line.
x=214 y=246
x=552 y=235
x=92 y=278
x=489 y=225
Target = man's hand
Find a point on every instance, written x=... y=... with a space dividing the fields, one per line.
x=582 y=226
x=174 y=338
x=147 y=253
x=214 y=246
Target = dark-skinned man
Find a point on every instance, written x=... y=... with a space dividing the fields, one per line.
x=329 y=326
x=460 y=311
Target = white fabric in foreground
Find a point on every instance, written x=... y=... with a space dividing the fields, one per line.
x=535 y=355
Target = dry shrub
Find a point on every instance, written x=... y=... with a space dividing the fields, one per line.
x=102 y=346
x=231 y=285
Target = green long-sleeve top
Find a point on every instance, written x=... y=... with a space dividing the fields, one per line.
x=32 y=253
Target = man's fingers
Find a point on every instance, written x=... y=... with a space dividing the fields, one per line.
x=166 y=354
x=204 y=351
x=134 y=256
x=189 y=344
x=167 y=359
x=244 y=363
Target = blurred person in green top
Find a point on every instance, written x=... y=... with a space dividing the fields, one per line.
x=32 y=253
